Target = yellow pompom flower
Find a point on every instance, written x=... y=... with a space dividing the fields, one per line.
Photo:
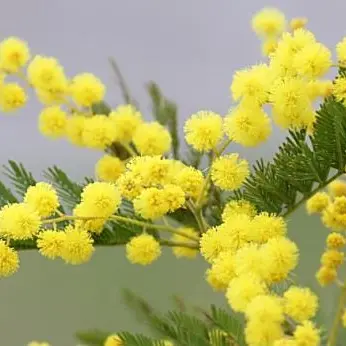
x=174 y=196
x=280 y=256
x=341 y=51
x=180 y=251
x=317 y=203
x=151 y=203
x=298 y=23
x=43 y=198
x=143 y=249
x=98 y=132
x=252 y=84
x=307 y=334
x=314 y=60
x=109 y=168
x=53 y=96
x=300 y=303
x=86 y=89
x=248 y=260
x=334 y=215
x=339 y=89
x=45 y=73
x=332 y=258
x=152 y=139
x=14 y=54
x=87 y=211
x=212 y=243
x=113 y=340
x=335 y=241
x=266 y=308
x=236 y=207
x=291 y=104
x=247 y=125
x=52 y=122
x=266 y=226
x=12 y=97
x=126 y=119
x=326 y=275
x=242 y=290
x=191 y=181
x=75 y=129
x=228 y=172
x=237 y=231
x=130 y=185
x=337 y=188
x=153 y=169
x=203 y=130
x=9 y=260
x=104 y=198
x=77 y=246
x=260 y=333
x=222 y=269
x=268 y=22
x=19 y=221
x=50 y=243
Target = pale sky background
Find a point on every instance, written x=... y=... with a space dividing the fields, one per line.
x=191 y=48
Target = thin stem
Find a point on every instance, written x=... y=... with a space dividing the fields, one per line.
x=123 y=219
x=198 y=215
x=178 y=244
x=333 y=336
x=306 y=197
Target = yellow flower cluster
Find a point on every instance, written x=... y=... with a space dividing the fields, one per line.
x=331 y=204
x=249 y=253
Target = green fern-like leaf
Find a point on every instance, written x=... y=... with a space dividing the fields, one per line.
x=232 y=325
x=138 y=340
x=68 y=191
x=20 y=178
x=6 y=196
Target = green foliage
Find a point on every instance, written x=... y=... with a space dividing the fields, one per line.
x=165 y=112
x=6 y=196
x=217 y=327
x=69 y=191
x=20 y=178
x=303 y=164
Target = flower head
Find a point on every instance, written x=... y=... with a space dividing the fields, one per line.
x=235 y=207
x=341 y=51
x=113 y=340
x=126 y=119
x=75 y=128
x=43 y=198
x=300 y=303
x=50 y=243
x=143 y=249
x=248 y=125
x=229 y=172
x=268 y=22
x=326 y=275
x=203 y=130
x=14 y=54
x=109 y=168
x=191 y=181
x=104 y=198
x=317 y=203
x=19 y=221
x=86 y=89
x=306 y=334
x=258 y=333
x=9 y=260
x=12 y=97
x=335 y=241
x=77 y=246
x=52 y=122
x=152 y=139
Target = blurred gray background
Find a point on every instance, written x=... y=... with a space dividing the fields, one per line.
x=190 y=48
